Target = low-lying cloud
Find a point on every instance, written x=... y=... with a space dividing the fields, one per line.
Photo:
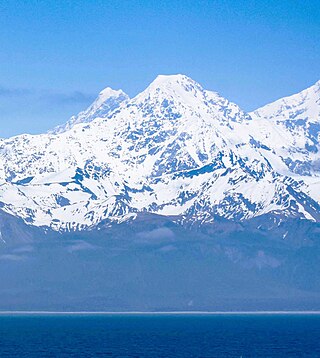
x=47 y=96
x=67 y=98
x=14 y=92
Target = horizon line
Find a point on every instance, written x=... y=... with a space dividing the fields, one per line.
x=286 y=312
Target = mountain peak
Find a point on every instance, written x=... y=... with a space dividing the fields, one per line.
x=303 y=105
x=172 y=78
x=108 y=100
x=180 y=88
x=108 y=92
x=174 y=82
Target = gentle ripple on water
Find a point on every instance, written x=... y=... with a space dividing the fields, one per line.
x=160 y=336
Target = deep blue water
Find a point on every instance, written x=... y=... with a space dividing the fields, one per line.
x=160 y=336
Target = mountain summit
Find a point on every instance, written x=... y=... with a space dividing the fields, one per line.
x=175 y=150
x=107 y=101
x=297 y=122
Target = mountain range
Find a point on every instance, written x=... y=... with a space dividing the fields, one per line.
x=176 y=150
x=122 y=198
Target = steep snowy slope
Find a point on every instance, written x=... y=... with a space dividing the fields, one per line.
x=291 y=126
x=175 y=149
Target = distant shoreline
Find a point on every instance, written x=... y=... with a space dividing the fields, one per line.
x=164 y=313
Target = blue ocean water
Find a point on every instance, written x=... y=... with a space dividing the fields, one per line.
x=160 y=335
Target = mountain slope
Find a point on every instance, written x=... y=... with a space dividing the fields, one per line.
x=153 y=264
x=175 y=149
x=291 y=126
x=107 y=101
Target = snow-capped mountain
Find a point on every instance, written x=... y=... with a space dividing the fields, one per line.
x=176 y=150
x=107 y=101
x=291 y=126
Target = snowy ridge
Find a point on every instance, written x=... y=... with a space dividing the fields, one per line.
x=291 y=126
x=175 y=149
x=107 y=101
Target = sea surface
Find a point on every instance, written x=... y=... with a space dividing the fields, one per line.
x=165 y=335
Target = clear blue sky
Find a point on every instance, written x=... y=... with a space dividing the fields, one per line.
x=56 y=56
